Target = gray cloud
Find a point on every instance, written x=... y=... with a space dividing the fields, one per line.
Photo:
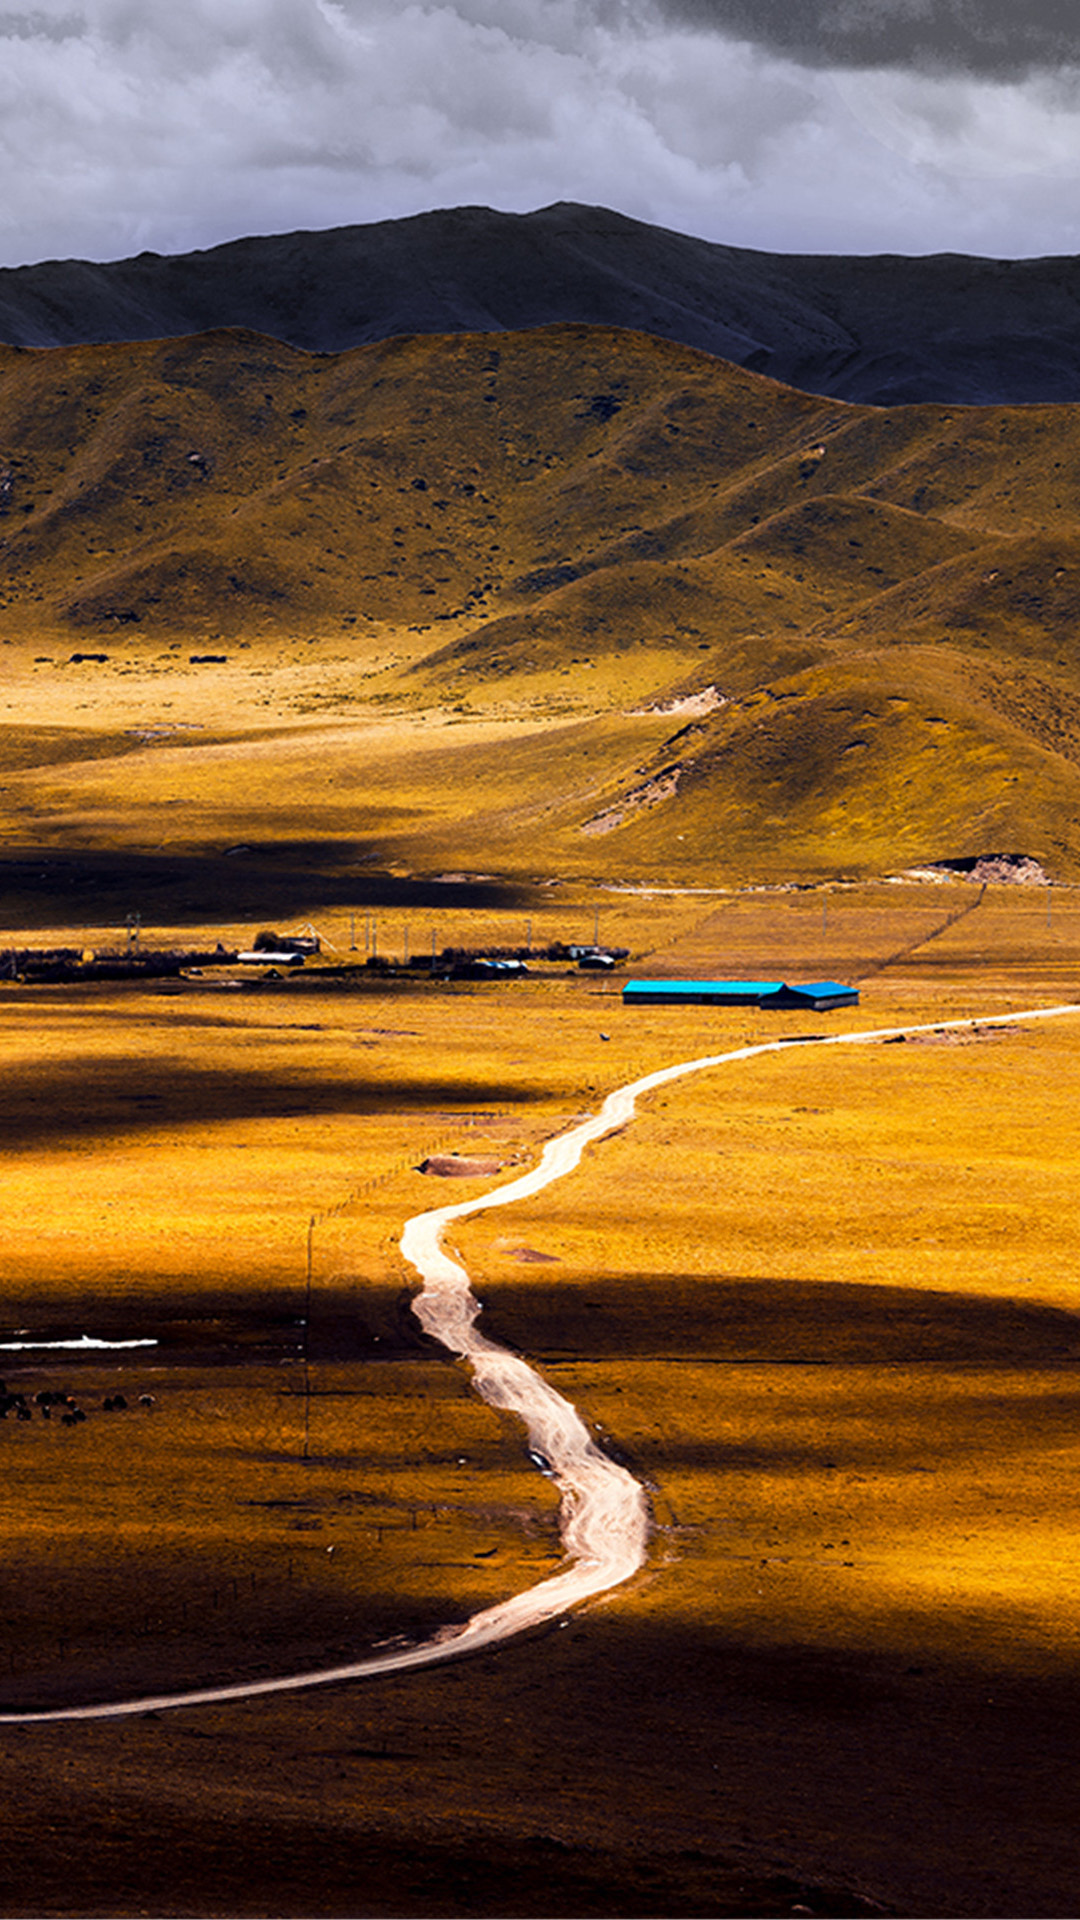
x=998 y=39
x=174 y=124
x=36 y=26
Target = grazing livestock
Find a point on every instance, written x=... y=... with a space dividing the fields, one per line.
x=52 y=1401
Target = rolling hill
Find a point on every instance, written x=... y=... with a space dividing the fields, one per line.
x=567 y=601
x=882 y=329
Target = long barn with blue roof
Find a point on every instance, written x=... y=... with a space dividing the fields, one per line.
x=818 y=994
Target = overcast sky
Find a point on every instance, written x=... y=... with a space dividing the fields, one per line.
x=862 y=126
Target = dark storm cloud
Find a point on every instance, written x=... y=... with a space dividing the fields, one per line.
x=997 y=39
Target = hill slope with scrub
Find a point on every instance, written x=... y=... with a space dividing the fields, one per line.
x=564 y=601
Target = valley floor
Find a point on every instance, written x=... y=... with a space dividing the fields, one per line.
x=822 y=1303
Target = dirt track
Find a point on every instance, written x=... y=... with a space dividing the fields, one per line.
x=605 y=1518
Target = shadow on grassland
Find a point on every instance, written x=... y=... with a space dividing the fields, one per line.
x=894 y=1767
x=260 y=880
x=93 y=1098
x=620 y=1768
x=728 y=1318
x=353 y=1320
x=270 y=1862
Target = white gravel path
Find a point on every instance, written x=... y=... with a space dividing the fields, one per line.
x=604 y=1513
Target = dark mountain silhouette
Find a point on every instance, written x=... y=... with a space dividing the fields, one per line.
x=879 y=329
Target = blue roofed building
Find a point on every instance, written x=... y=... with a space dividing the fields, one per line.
x=815 y=993
x=818 y=994
x=698 y=993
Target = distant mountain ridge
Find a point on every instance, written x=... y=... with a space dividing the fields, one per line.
x=881 y=329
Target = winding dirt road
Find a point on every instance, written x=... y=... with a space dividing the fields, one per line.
x=604 y=1514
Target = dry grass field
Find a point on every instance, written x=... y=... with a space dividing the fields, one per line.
x=822 y=1301
x=462 y=643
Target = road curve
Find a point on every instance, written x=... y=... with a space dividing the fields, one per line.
x=604 y=1514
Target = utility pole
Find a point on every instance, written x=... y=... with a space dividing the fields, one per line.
x=307 y=1335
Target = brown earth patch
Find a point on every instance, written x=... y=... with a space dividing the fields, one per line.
x=454 y=1166
x=956 y=1037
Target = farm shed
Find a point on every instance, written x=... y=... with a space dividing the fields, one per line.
x=818 y=994
x=699 y=993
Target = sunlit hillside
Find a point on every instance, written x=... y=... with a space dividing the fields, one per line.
x=429 y=599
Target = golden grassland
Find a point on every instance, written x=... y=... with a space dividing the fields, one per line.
x=436 y=593
x=822 y=1301
x=464 y=642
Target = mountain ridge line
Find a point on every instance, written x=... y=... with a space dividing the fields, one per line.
x=881 y=329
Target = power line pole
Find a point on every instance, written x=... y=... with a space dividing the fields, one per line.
x=307 y=1335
